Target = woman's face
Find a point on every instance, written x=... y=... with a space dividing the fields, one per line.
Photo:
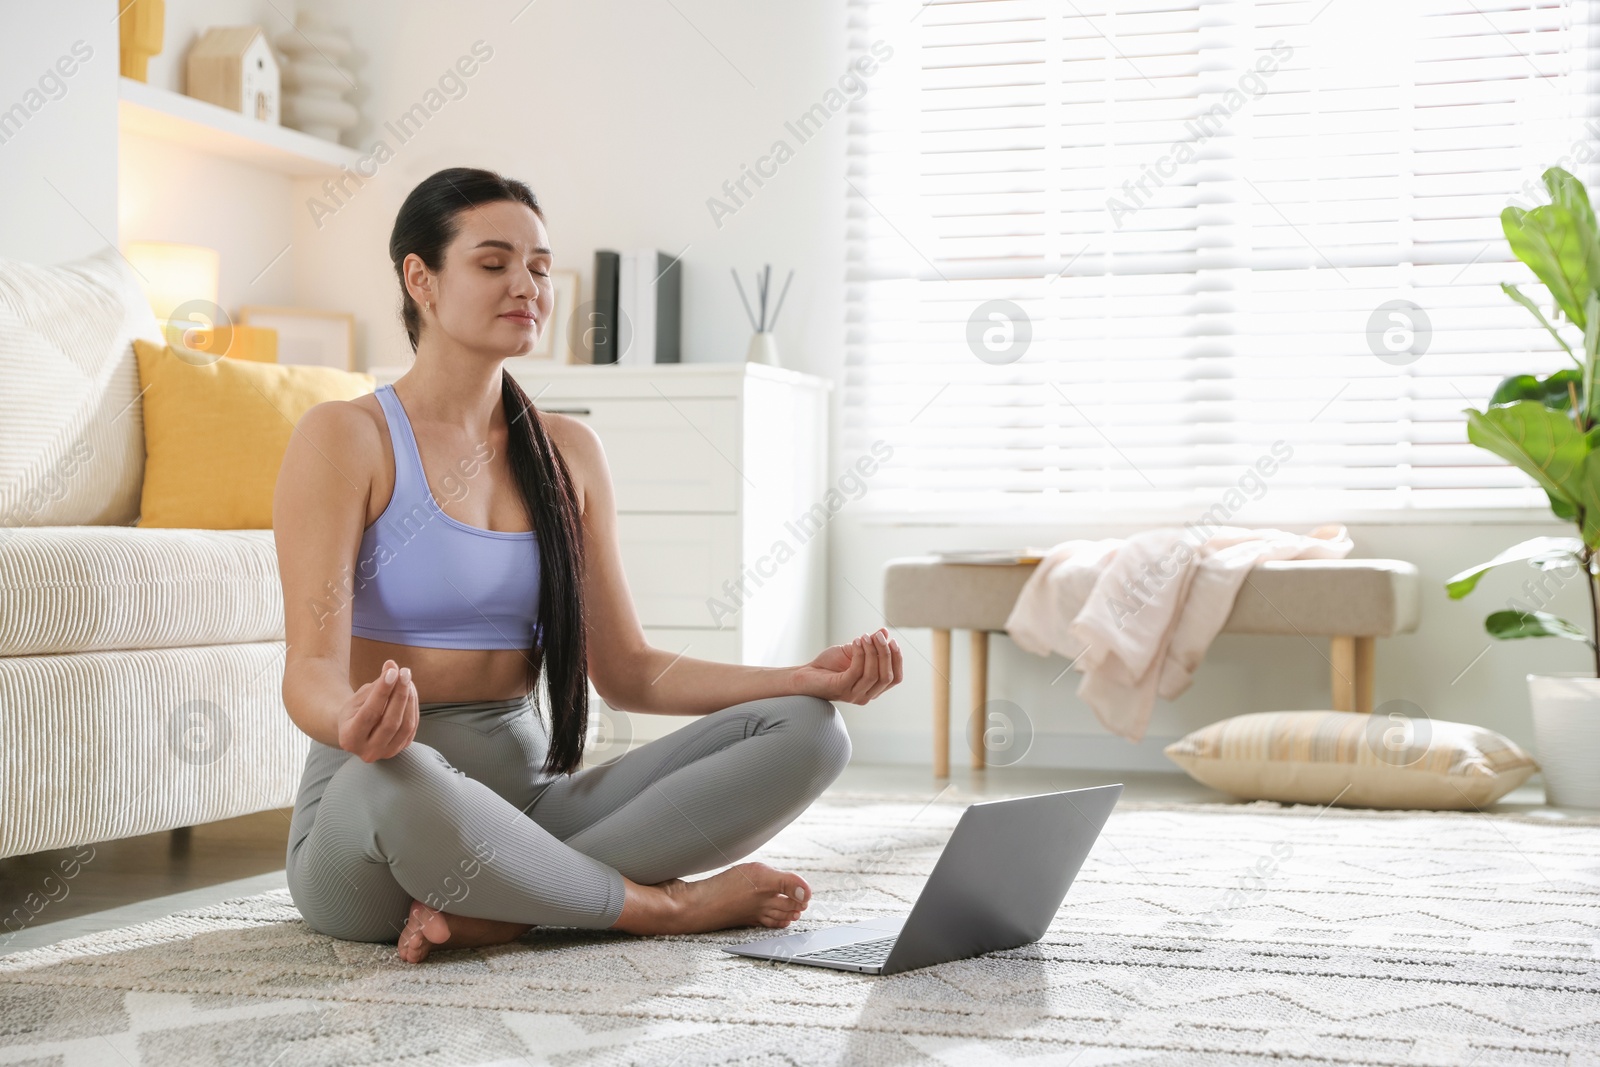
x=496 y=273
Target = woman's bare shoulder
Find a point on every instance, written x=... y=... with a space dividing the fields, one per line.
x=349 y=424
x=347 y=435
x=579 y=446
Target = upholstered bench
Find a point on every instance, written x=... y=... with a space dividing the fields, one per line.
x=1351 y=601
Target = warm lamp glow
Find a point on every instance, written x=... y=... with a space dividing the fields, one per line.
x=174 y=275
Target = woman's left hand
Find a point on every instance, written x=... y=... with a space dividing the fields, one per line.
x=853 y=673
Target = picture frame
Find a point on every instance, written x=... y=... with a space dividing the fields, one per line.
x=309 y=336
x=554 y=344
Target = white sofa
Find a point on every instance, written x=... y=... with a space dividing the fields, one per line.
x=140 y=669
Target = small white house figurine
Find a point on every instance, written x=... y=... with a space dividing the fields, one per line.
x=233 y=67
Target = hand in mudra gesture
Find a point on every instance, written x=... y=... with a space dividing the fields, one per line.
x=853 y=673
x=381 y=717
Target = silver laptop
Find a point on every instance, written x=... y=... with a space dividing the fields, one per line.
x=998 y=883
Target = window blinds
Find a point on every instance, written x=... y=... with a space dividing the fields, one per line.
x=1109 y=256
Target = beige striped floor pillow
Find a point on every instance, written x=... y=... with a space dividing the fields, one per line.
x=71 y=429
x=1353 y=760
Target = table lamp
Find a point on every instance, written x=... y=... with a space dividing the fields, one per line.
x=180 y=282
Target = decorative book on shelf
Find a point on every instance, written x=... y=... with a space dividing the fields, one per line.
x=638 y=298
x=1004 y=557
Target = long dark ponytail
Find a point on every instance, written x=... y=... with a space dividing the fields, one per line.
x=425 y=225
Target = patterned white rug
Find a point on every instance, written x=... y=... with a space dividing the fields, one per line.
x=1194 y=935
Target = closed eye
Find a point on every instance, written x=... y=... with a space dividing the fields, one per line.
x=539 y=273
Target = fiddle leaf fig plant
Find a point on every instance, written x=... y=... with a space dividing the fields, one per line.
x=1549 y=427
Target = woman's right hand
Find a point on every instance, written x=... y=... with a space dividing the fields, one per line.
x=381 y=717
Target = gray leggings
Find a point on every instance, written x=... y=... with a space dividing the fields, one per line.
x=463 y=819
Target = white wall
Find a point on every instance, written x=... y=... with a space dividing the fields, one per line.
x=58 y=130
x=170 y=193
x=624 y=118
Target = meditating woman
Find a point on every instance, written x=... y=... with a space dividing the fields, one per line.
x=441 y=543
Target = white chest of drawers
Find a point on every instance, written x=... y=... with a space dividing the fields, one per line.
x=720 y=473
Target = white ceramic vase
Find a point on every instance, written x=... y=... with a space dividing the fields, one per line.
x=763 y=349
x=1566 y=737
x=313 y=87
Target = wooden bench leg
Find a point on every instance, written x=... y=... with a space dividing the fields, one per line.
x=1366 y=663
x=1354 y=659
x=941 y=703
x=980 y=695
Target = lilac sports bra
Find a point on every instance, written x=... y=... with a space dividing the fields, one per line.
x=423 y=578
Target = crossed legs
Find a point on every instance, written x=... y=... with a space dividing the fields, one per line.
x=416 y=828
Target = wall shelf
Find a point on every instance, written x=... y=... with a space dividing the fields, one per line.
x=204 y=127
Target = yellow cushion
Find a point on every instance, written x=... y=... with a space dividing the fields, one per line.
x=1365 y=761
x=215 y=431
x=258 y=343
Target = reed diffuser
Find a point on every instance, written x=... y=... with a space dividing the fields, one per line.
x=763 y=348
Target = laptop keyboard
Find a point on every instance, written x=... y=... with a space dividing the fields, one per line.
x=868 y=952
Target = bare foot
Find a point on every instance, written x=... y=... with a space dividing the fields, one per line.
x=743 y=895
x=427 y=929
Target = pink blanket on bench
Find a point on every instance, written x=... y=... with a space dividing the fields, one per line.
x=1137 y=615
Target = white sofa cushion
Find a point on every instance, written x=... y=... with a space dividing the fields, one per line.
x=71 y=426
x=103 y=745
x=97 y=588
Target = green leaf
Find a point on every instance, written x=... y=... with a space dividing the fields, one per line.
x=1549 y=240
x=1591 y=346
x=1541 y=442
x=1552 y=392
x=1547 y=550
x=1564 y=188
x=1568 y=192
x=1522 y=298
x=1586 y=494
x=1508 y=625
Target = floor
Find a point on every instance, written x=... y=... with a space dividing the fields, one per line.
x=154 y=875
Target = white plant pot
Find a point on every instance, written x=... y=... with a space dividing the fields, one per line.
x=1566 y=737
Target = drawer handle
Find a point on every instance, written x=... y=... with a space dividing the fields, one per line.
x=566 y=411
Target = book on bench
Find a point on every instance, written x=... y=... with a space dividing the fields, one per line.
x=1004 y=557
